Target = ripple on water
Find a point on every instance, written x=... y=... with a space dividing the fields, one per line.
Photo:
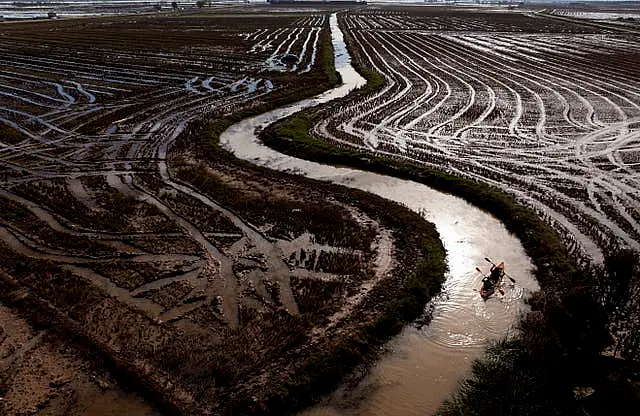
x=462 y=319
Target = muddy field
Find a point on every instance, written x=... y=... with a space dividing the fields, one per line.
x=42 y=374
x=544 y=108
x=130 y=250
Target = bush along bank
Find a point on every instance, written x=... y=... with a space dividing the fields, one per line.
x=561 y=340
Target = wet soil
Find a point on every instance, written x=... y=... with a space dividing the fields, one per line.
x=209 y=285
x=42 y=374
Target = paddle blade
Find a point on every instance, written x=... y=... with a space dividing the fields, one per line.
x=512 y=279
x=488 y=259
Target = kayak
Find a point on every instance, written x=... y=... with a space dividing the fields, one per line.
x=492 y=281
x=486 y=293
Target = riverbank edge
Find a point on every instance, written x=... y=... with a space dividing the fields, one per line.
x=556 y=269
x=543 y=244
x=321 y=373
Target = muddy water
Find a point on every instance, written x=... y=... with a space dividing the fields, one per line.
x=421 y=366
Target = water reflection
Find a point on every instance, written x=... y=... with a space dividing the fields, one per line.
x=422 y=366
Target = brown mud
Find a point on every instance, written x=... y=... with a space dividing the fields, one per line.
x=207 y=285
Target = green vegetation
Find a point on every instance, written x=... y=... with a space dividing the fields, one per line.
x=560 y=342
x=375 y=81
x=327 y=63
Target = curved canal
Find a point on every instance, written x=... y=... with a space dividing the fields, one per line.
x=422 y=365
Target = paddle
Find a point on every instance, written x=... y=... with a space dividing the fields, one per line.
x=499 y=288
x=493 y=264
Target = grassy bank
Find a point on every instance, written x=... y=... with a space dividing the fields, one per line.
x=291 y=136
x=560 y=342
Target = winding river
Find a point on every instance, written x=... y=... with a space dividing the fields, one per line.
x=422 y=365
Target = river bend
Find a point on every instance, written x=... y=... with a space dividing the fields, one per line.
x=422 y=366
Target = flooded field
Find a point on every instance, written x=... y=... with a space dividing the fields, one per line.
x=195 y=276
x=546 y=109
x=216 y=283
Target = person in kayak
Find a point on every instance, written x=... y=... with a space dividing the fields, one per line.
x=493 y=281
x=487 y=284
x=496 y=274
